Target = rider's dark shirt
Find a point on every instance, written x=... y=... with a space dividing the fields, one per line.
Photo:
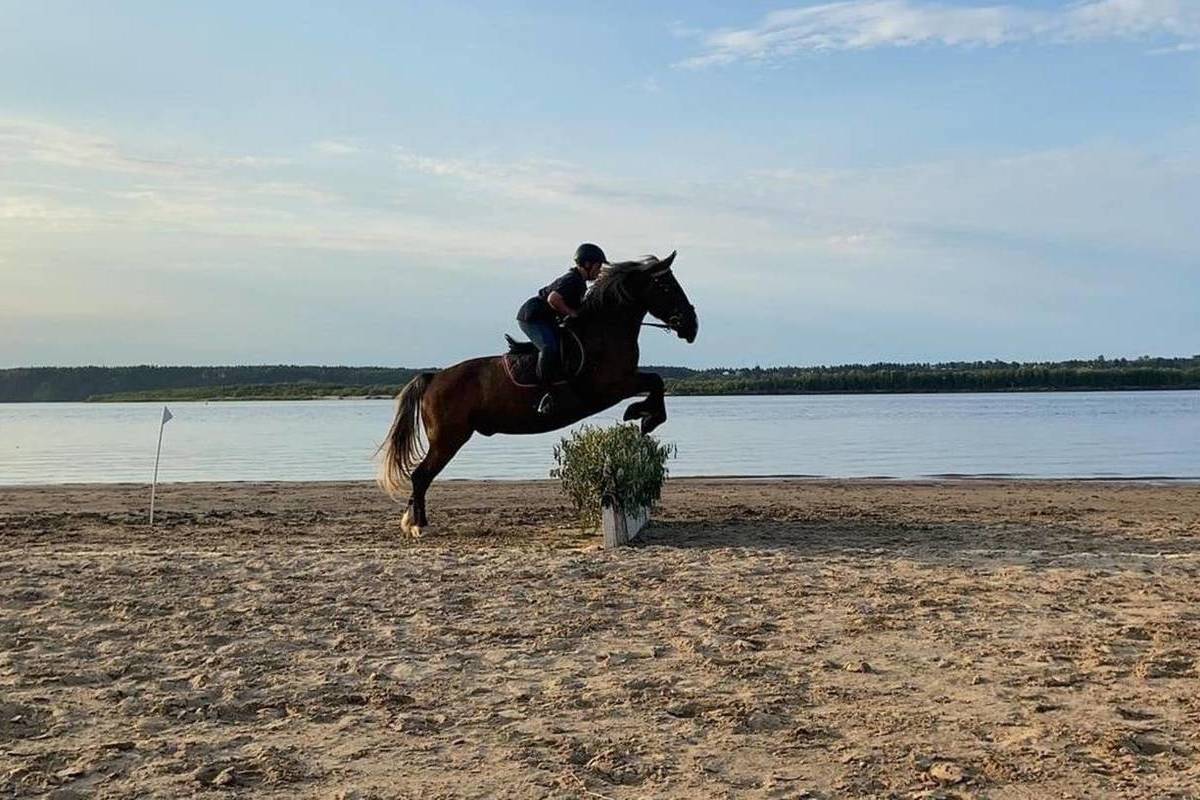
x=571 y=285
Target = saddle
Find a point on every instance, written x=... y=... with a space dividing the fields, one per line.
x=520 y=362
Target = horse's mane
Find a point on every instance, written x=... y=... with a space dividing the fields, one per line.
x=610 y=289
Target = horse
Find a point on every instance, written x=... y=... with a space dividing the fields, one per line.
x=480 y=395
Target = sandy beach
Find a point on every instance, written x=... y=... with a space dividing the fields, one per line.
x=770 y=639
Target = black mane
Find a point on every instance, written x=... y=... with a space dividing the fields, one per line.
x=610 y=289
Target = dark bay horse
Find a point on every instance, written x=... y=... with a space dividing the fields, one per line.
x=479 y=396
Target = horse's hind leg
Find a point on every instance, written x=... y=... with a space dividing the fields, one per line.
x=444 y=443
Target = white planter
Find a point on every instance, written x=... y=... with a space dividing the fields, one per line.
x=621 y=527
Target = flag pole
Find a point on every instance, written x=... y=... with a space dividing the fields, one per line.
x=166 y=415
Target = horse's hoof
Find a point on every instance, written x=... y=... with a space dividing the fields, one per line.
x=649 y=423
x=415 y=531
x=406 y=523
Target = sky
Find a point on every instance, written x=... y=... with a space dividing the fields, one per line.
x=384 y=183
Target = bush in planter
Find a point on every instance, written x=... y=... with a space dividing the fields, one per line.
x=619 y=462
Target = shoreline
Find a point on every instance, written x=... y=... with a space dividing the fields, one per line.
x=821 y=393
x=946 y=479
x=168 y=398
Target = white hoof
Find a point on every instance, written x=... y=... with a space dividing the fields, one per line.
x=408 y=526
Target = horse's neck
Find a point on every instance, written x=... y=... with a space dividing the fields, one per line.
x=623 y=321
x=613 y=333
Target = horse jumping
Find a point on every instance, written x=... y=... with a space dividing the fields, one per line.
x=480 y=396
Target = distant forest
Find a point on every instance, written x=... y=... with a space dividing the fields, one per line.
x=52 y=384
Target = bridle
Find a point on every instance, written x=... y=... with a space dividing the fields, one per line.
x=676 y=318
x=671 y=324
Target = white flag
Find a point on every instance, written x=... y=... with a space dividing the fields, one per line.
x=167 y=415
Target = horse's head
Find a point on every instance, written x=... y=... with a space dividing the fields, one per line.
x=654 y=286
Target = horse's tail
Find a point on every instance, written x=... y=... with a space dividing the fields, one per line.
x=402 y=448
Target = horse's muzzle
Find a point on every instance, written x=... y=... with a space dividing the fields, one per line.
x=685 y=324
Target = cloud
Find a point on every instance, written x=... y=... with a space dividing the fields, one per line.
x=869 y=24
x=529 y=178
x=27 y=141
x=24 y=141
x=336 y=147
x=56 y=180
x=448 y=209
x=968 y=237
x=254 y=162
x=42 y=214
x=1130 y=19
x=1096 y=202
x=1183 y=47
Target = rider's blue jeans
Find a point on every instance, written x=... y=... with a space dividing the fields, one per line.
x=544 y=336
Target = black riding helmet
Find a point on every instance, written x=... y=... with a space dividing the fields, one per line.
x=589 y=253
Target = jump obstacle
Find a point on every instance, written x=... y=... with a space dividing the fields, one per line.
x=621 y=527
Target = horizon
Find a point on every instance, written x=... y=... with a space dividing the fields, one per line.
x=869 y=181
x=1101 y=357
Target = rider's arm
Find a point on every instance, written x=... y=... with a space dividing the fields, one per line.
x=557 y=302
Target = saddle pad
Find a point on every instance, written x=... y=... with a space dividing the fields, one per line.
x=521 y=368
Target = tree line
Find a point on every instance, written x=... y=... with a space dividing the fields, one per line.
x=54 y=384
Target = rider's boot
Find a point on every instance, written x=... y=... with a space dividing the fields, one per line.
x=565 y=398
x=547 y=370
x=558 y=398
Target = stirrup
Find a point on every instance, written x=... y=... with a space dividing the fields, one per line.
x=545 y=406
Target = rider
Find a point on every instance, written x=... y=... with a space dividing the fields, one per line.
x=558 y=300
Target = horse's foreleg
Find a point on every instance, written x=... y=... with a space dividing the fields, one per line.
x=653 y=410
x=444 y=443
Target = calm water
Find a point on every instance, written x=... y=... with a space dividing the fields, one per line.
x=1094 y=434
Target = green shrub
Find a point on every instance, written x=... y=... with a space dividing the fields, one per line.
x=618 y=462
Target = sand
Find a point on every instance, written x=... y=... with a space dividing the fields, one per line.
x=771 y=639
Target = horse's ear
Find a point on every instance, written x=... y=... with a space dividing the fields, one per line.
x=666 y=262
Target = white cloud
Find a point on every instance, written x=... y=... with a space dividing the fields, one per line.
x=1078 y=202
x=470 y=211
x=952 y=237
x=26 y=141
x=1183 y=47
x=1130 y=19
x=254 y=162
x=293 y=191
x=530 y=179
x=867 y=24
x=23 y=141
x=336 y=147
x=60 y=180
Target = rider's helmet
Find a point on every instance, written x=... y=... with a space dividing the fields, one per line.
x=589 y=253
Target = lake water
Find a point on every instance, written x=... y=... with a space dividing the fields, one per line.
x=1043 y=435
